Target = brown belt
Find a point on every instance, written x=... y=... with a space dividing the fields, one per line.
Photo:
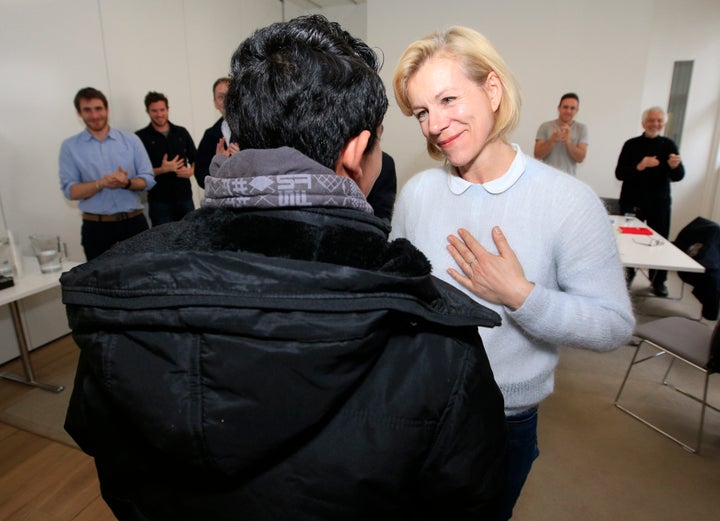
x=115 y=217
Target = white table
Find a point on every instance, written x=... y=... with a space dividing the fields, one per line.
x=31 y=282
x=649 y=251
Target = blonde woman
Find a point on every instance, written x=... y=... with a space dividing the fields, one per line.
x=526 y=240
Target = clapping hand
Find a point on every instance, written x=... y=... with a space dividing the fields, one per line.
x=230 y=150
x=673 y=160
x=648 y=162
x=185 y=171
x=172 y=165
x=116 y=179
x=560 y=133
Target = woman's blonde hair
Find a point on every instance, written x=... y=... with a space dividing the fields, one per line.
x=477 y=57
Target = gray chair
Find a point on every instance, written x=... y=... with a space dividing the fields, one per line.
x=612 y=206
x=688 y=341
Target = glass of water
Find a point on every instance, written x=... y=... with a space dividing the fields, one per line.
x=6 y=260
x=47 y=252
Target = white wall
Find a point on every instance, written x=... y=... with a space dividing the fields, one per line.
x=689 y=31
x=50 y=49
x=617 y=55
x=352 y=17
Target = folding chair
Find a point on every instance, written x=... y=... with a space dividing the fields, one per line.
x=612 y=206
x=688 y=341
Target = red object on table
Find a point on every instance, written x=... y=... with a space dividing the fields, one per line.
x=635 y=230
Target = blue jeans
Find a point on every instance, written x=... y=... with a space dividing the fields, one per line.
x=523 y=450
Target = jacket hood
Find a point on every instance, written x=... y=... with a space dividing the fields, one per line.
x=278 y=177
x=223 y=356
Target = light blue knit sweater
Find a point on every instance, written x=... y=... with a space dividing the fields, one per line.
x=562 y=236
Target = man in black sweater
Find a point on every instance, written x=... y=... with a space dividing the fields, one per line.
x=646 y=166
x=216 y=139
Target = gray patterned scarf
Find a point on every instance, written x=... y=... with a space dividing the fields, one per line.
x=279 y=177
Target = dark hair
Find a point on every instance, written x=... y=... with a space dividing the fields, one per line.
x=153 y=97
x=569 y=95
x=88 y=93
x=306 y=84
x=218 y=81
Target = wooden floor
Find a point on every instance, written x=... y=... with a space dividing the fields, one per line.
x=40 y=479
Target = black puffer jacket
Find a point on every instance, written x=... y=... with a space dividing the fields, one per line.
x=282 y=364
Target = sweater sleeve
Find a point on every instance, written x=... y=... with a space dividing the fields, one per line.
x=674 y=174
x=203 y=157
x=588 y=306
x=633 y=152
x=190 y=149
x=626 y=165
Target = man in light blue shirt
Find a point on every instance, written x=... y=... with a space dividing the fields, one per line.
x=105 y=169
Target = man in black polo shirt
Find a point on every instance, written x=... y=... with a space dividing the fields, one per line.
x=172 y=154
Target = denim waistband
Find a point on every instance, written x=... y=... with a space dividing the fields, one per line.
x=523 y=415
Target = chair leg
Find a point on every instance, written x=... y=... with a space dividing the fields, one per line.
x=702 y=412
x=633 y=363
x=667 y=373
x=703 y=402
x=627 y=373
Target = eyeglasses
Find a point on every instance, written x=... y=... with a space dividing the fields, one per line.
x=649 y=242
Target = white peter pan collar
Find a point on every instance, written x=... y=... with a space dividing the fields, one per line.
x=458 y=185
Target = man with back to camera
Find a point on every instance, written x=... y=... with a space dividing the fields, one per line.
x=284 y=360
x=646 y=166
x=216 y=139
x=563 y=142
x=105 y=169
x=172 y=154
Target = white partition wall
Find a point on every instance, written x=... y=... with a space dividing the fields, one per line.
x=617 y=55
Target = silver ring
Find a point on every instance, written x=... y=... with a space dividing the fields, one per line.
x=470 y=263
